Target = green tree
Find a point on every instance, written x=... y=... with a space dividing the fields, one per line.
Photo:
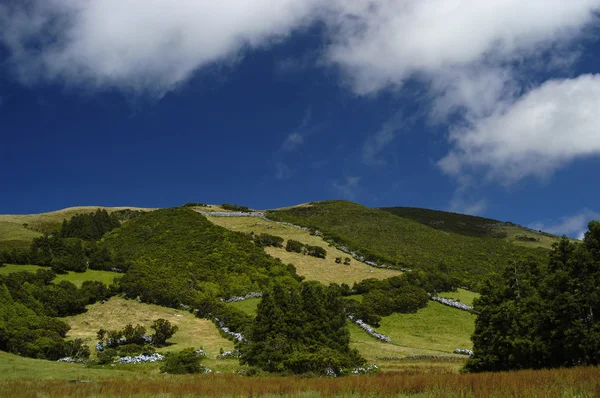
x=163 y=330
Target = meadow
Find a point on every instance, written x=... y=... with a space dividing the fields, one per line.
x=323 y=270
x=117 y=312
x=77 y=278
x=576 y=382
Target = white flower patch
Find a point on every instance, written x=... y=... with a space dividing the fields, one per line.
x=224 y=329
x=463 y=351
x=371 y=368
x=452 y=303
x=250 y=295
x=71 y=360
x=370 y=330
x=140 y=359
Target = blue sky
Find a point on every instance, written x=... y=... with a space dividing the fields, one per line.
x=487 y=108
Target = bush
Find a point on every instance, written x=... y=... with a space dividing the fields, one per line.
x=338 y=260
x=268 y=240
x=294 y=246
x=229 y=207
x=106 y=356
x=183 y=362
x=315 y=251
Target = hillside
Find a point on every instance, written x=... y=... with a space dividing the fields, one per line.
x=17 y=230
x=403 y=242
x=179 y=257
x=324 y=270
x=474 y=226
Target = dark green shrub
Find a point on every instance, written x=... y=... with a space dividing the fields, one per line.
x=294 y=246
x=315 y=251
x=183 y=362
x=106 y=356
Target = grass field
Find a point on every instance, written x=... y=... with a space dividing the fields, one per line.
x=248 y=306
x=312 y=268
x=462 y=295
x=14 y=235
x=576 y=382
x=77 y=278
x=51 y=220
x=117 y=312
x=434 y=328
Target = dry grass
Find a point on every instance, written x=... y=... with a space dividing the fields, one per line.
x=50 y=220
x=118 y=312
x=13 y=234
x=323 y=270
x=577 y=382
x=543 y=240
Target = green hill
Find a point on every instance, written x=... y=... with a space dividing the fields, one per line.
x=179 y=257
x=401 y=242
x=479 y=227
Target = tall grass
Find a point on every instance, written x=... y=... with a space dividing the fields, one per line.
x=580 y=382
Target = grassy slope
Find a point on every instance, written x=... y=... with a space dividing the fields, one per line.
x=464 y=296
x=404 y=241
x=13 y=233
x=473 y=226
x=118 y=312
x=312 y=268
x=76 y=278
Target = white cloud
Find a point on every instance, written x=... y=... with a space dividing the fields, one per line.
x=383 y=43
x=574 y=226
x=546 y=128
x=139 y=45
x=347 y=189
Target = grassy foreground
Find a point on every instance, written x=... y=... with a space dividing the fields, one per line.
x=577 y=382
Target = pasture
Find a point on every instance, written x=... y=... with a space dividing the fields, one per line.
x=323 y=270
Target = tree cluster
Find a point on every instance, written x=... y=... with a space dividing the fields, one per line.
x=299 y=247
x=300 y=328
x=542 y=315
x=89 y=226
x=133 y=340
x=264 y=240
x=29 y=305
x=229 y=207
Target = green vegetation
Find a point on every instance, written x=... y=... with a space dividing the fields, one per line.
x=381 y=236
x=450 y=222
x=226 y=206
x=324 y=270
x=179 y=257
x=117 y=312
x=184 y=362
x=248 y=306
x=462 y=295
x=13 y=235
x=77 y=278
x=434 y=328
x=264 y=240
x=29 y=305
x=542 y=315
x=300 y=330
x=90 y=226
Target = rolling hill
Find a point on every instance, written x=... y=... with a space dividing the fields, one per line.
x=402 y=242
